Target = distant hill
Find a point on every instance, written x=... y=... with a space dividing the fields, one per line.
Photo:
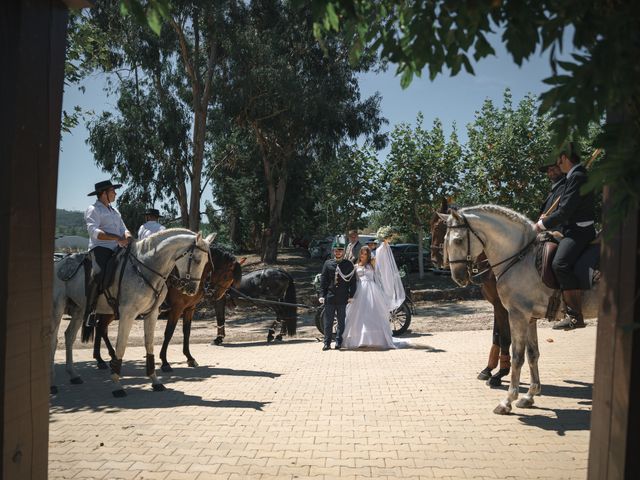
x=69 y=222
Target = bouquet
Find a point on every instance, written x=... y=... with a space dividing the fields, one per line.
x=385 y=233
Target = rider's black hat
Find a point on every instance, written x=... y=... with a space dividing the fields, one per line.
x=154 y=212
x=102 y=186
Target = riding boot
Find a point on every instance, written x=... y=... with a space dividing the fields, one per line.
x=92 y=299
x=491 y=364
x=505 y=367
x=573 y=314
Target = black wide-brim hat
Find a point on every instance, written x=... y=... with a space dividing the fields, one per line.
x=153 y=212
x=102 y=186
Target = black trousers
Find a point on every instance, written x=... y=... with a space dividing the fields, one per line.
x=102 y=256
x=331 y=309
x=576 y=240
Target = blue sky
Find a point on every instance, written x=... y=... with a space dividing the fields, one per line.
x=452 y=99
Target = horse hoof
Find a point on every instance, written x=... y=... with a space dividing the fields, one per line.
x=53 y=390
x=217 y=341
x=485 y=374
x=502 y=410
x=279 y=338
x=102 y=365
x=119 y=393
x=166 y=368
x=158 y=387
x=269 y=338
x=494 y=382
x=525 y=403
x=76 y=381
x=192 y=363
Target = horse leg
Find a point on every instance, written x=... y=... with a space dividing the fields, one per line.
x=186 y=332
x=124 y=329
x=501 y=316
x=149 y=331
x=105 y=337
x=172 y=321
x=283 y=326
x=532 y=357
x=272 y=330
x=518 y=337
x=101 y=334
x=70 y=335
x=58 y=311
x=220 y=320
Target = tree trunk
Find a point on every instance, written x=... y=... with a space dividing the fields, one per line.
x=234 y=228
x=276 y=189
x=420 y=250
x=199 y=126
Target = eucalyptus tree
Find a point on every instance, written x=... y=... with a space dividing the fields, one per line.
x=164 y=84
x=421 y=169
x=299 y=102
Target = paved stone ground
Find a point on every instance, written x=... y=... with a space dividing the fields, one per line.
x=289 y=410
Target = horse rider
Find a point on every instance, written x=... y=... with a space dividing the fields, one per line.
x=353 y=248
x=576 y=216
x=558 y=181
x=337 y=287
x=151 y=224
x=107 y=232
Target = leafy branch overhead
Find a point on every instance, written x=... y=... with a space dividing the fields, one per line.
x=600 y=78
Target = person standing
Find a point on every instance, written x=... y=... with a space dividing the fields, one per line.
x=372 y=244
x=353 y=249
x=337 y=287
x=151 y=224
x=107 y=232
x=576 y=216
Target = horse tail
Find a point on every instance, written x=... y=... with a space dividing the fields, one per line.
x=291 y=313
x=87 y=332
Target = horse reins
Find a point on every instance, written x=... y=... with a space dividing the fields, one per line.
x=472 y=270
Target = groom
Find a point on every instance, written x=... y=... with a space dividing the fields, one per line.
x=338 y=285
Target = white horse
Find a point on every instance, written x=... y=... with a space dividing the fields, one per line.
x=140 y=290
x=507 y=238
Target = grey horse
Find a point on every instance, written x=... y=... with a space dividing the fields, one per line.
x=141 y=290
x=507 y=238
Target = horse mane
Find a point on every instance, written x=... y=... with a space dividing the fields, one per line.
x=152 y=241
x=221 y=256
x=503 y=211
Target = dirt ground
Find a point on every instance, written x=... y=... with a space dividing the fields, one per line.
x=250 y=324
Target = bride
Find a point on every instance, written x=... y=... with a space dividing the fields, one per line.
x=379 y=292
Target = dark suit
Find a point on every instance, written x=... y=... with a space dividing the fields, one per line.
x=574 y=208
x=336 y=293
x=557 y=189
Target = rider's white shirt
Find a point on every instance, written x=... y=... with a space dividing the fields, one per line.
x=149 y=228
x=101 y=218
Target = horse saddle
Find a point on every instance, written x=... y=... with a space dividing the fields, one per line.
x=586 y=268
x=68 y=266
x=108 y=276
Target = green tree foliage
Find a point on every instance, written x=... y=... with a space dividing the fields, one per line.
x=506 y=147
x=600 y=79
x=298 y=104
x=421 y=169
x=164 y=86
x=70 y=222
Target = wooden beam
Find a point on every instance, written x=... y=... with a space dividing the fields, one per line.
x=33 y=39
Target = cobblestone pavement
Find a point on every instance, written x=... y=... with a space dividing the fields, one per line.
x=289 y=410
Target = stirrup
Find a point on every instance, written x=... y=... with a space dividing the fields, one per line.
x=90 y=321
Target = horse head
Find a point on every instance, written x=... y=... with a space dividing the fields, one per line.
x=461 y=247
x=190 y=265
x=227 y=272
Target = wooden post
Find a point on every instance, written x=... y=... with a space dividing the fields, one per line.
x=615 y=421
x=32 y=38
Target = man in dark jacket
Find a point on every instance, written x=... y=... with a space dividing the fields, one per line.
x=576 y=215
x=558 y=181
x=337 y=286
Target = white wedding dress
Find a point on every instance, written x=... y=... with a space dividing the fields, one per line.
x=379 y=292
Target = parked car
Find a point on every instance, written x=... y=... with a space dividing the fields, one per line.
x=321 y=248
x=364 y=239
x=406 y=255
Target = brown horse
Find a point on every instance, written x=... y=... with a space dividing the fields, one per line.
x=223 y=272
x=501 y=332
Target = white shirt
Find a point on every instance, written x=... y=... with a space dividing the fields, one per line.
x=149 y=228
x=103 y=219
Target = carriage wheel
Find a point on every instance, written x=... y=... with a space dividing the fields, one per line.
x=400 y=320
x=320 y=322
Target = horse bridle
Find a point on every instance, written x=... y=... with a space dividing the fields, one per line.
x=178 y=282
x=472 y=265
x=472 y=269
